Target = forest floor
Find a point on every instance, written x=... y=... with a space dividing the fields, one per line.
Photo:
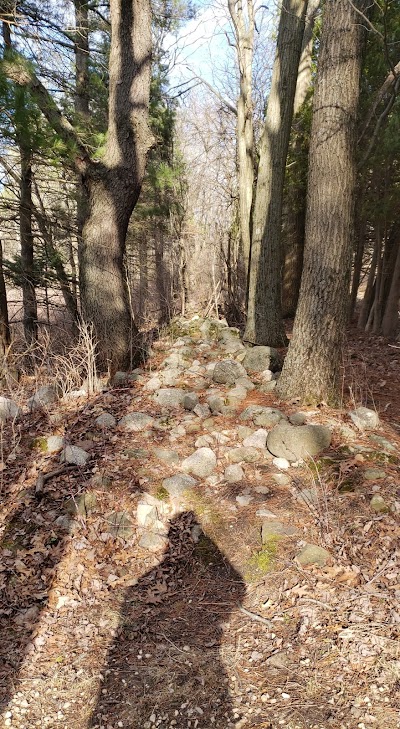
x=105 y=624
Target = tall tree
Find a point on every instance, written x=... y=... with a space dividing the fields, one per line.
x=113 y=182
x=264 y=311
x=311 y=368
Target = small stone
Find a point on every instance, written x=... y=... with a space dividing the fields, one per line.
x=234 y=473
x=297 y=418
x=215 y=403
x=275 y=528
x=136 y=422
x=74 y=454
x=262 y=489
x=146 y=515
x=374 y=474
x=266 y=513
x=383 y=442
x=227 y=371
x=297 y=442
x=165 y=455
x=153 y=384
x=266 y=376
x=202 y=411
x=201 y=463
x=261 y=358
x=190 y=401
x=46 y=395
x=379 y=504
x=244 y=499
x=281 y=463
x=309 y=497
x=105 y=420
x=137 y=453
x=153 y=542
x=82 y=504
x=178 y=484
x=119 y=525
x=120 y=378
x=244 y=431
x=258 y=439
x=268 y=386
x=169 y=397
x=54 y=443
x=236 y=395
x=313 y=554
x=8 y=409
x=364 y=418
x=245 y=382
x=204 y=441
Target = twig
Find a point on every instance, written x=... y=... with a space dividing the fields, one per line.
x=256 y=617
x=44 y=477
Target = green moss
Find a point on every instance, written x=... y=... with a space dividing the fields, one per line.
x=262 y=561
x=162 y=494
x=39 y=444
x=204 y=509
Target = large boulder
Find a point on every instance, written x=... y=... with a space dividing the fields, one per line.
x=364 y=418
x=46 y=395
x=258 y=359
x=227 y=371
x=296 y=442
x=169 y=397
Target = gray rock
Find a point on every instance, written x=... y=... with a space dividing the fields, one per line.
x=153 y=542
x=105 y=420
x=297 y=418
x=46 y=395
x=204 y=441
x=266 y=514
x=169 y=397
x=293 y=443
x=313 y=554
x=120 y=378
x=201 y=463
x=258 y=439
x=234 y=473
x=379 y=504
x=153 y=384
x=281 y=463
x=281 y=479
x=266 y=376
x=166 y=455
x=178 y=484
x=309 y=497
x=82 y=504
x=236 y=395
x=383 y=442
x=227 y=371
x=136 y=422
x=245 y=382
x=190 y=401
x=137 y=453
x=268 y=417
x=170 y=377
x=274 y=528
x=374 y=474
x=248 y=455
x=259 y=359
x=244 y=499
x=8 y=409
x=54 y=443
x=244 y=431
x=119 y=525
x=268 y=386
x=364 y=418
x=215 y=403
x=74 y=454
x=146 y=515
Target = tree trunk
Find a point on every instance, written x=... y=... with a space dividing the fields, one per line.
x=304 y=74
x=26 y=240
x=390 y=322
x=370 y=290
x=81 y=96
x=5 y=334
x=357 y=266
x=264 y=312
x=311 y=368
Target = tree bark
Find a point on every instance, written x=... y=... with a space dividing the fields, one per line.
x=264 y=311
x=311 y=368
x=81 y=96
x=27 y=249
x=5 y=334
x=390 y=322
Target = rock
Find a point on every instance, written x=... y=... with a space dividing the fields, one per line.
x=281 y=463
x=383 y=442
x=82 y=504
x=146 y=515
x=258 y=359
x=234 y=473
x=296 y=442
x=153 y=542
x=190 y=401
x=220 y=438
x=374 y=474
x=266 y=376
x=244 y=431
x=120 y=378
x=297 y=418
x=266 y=514
x=262 y=490
x=236 y=395
x=105 y=420
x=258 y=439
x=274 y=528
x=169 y=397
x=215 y=403
x=119 y=525
x=165 y=455
x=102 y=482
x=227 y=371
x=245 y=382
x=137 y=453
x=244 y=499
x=268 y=417
x=170 y=376
x=268 y=386
x=136 y=422
x=153 y=384
x=194 y=427
x=54 y=443
x=364 y=418
x=379 y=504
x=281 y=479
x=46 y=395
x=201 y=463
x=248 y=455
x=8 y=409
x=202 y=411
x=74 y=454
x=313 y=554
x=204 y=441
x=178 y=484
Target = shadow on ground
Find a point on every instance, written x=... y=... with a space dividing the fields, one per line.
x=165 y=663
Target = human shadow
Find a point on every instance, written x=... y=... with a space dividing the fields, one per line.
x=164 y=667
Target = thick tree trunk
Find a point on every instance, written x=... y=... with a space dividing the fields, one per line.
x=5 y=334
x=311 y=368
x=304 y=74
x=264 y=311
x=26 y=240
x=81 y=96
x=390 y=322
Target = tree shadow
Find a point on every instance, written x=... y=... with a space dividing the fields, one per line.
x=164 y=664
